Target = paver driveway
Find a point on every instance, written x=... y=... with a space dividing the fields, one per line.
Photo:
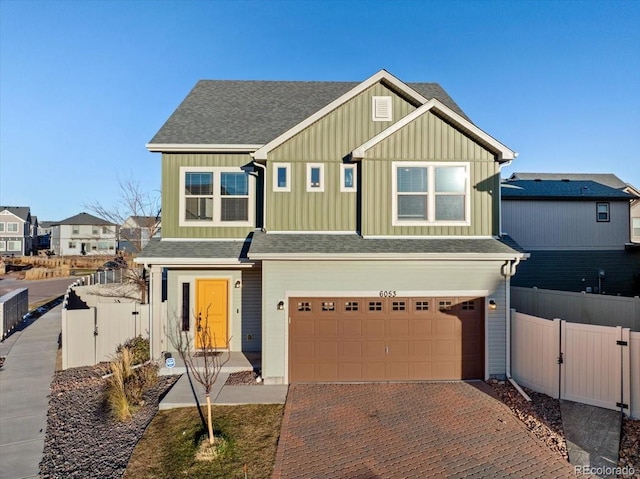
x=407 y=430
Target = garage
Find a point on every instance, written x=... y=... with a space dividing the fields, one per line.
x=385 y=339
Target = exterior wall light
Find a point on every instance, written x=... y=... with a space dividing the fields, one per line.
x=493 y=304
x=281 y=306
x=238 y=283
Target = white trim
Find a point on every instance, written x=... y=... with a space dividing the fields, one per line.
x=429 y=237
x=287 y=167
x=400 y=294
x=261 y=153
x=201 y=147
x=386 y=256
x=217 y=198
x=320 y=187
x=431 y=193
x=209 y=240
x=343 y=188
x=193 y=262
x=504 y=153
x=333 y=232
x=380 y=100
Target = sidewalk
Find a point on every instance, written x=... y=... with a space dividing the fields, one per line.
x=182 y=392
x=25 y=379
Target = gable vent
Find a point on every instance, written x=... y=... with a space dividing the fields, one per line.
x=382 y=108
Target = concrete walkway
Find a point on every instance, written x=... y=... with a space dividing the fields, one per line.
x=25 y=379
x=593 y=438
x=182 y=393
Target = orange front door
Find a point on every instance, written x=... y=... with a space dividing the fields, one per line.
x=211 y=313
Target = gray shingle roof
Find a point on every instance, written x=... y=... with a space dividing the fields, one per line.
x=606 y=179
x=83 y=219
x=186 y=250
x=256 y=112
x=561 y=189
x=328 y=244
x=21 y=212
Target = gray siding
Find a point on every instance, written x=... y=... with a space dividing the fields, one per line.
x=570 y=225
x=283 y=279
x=252 y=309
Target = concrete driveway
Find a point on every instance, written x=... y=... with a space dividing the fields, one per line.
x=407 y=430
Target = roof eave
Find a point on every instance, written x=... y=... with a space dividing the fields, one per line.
x=201 y=148
x=386 y=256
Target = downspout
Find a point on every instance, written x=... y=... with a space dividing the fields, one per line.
x=150 y=299
x=509 y=269
x=264 y=194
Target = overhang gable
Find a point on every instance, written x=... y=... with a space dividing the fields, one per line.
x=502 y=152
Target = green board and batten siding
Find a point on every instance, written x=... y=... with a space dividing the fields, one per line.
x=171 y=163
x=332 y=138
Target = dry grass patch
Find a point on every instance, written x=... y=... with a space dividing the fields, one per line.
x=247 y=440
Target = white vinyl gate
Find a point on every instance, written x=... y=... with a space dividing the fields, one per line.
x=578 y=362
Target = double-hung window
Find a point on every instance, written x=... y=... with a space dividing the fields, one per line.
x=215 y=197
x=12 y=227
x=1 y=227
x=602 y=212
x=430 y=193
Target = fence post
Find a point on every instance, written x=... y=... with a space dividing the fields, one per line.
x=625 y=372
x=562 y=345
x=534 y=298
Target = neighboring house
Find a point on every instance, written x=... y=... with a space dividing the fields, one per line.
x=16 y=231
x=44 y=234
x=83 y=234
x=345 y=231
x=577 y=229
x=137 y=231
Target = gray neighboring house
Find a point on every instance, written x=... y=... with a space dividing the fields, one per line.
x=137 y=231
x=83 y=234
x=578 y=229
x=17 y=231
x=345 y=231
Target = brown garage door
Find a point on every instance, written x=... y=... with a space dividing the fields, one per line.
x=385 y=339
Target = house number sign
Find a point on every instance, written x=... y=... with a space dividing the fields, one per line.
x=388 y=294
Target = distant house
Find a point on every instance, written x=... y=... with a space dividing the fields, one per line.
x=577 y=228
x=44 y=234
x=16 y=231
x=83 y=234
x=137 y=231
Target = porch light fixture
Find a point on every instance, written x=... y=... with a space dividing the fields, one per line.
x=281 y=306
x=493 y=304
x=238 y=283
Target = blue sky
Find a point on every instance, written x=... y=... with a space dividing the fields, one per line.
x=84 y=85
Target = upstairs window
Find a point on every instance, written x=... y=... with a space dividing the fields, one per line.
x=12 y=227
x=315 y=177
x=94 y=230
x=347 y=178
x=282 y=177
x=602 y=212
x=75 y=230
x=215 y=197
x=635 y=228
x=1 y=227
x=430 y=194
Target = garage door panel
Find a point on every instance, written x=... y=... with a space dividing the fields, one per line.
x=383 y=339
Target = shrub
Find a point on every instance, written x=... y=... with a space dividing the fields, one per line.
x=126 y=385
x=139 y=348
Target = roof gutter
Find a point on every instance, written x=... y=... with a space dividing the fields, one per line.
x=264 y=193
x=200 y=147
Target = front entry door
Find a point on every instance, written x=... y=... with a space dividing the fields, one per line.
x=211 y=312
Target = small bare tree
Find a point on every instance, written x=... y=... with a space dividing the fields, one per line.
x=203 y=361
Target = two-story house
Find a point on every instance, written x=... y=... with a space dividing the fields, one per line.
x=577 y=228
x=16 y=231
x=83 y=234
x=137 y=231
x=346 y=231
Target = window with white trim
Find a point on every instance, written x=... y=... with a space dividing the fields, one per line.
x=602 y=212
x=220 y=196
x=2 y=246
x=430 y=193
x=348 y=177
x=382 y=108
x=315 y=177
x=12 y=227
x=1 y=227
x=635 y=228
x=75 y=230
x=282 y=177
x=72 y=244
x=14 y=245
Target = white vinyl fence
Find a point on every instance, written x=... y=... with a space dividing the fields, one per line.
x=597 y=365
x=585 y=308
x=90 y=336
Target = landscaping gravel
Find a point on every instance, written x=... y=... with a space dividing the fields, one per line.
x=82 y=440
x=243 y=378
